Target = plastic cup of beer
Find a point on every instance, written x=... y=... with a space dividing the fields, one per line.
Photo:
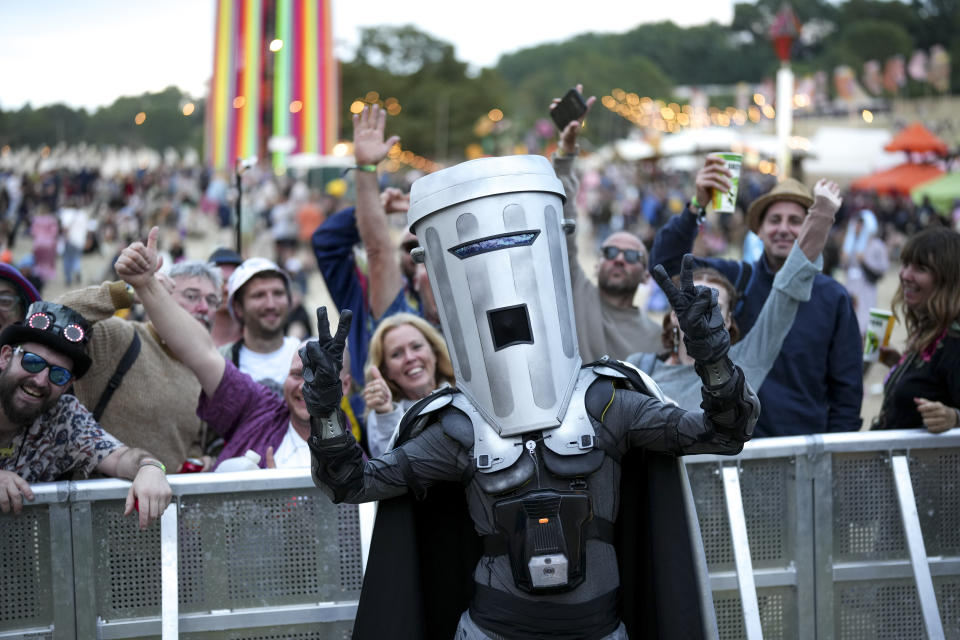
x=879 y=328
x=727 y=202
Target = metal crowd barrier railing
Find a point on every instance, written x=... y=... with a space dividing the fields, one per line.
x=846 y=536
x=837 y=536
x=257 y=554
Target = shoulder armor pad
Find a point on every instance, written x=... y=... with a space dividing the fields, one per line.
x=626 y=371
x=491 y=451
x=411 y=422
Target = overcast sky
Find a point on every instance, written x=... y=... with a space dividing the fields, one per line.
x=87 y=53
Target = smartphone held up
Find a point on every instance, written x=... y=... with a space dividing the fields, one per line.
x=571 y=107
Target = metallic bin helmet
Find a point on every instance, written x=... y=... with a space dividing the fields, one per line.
x=494 y=247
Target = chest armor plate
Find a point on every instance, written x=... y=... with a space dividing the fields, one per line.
x=567 y=451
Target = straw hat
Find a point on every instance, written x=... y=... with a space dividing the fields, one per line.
x=789 y=189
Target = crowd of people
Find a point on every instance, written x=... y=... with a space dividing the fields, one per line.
x=162 y=369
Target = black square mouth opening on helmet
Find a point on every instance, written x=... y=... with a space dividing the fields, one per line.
x=510 y=326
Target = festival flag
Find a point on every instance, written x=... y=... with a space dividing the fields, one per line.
x=917 y=67
x=894 y=75
x=939 y=73
x=872 y=79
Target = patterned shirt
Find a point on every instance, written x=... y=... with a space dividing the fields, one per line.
x=64 y=439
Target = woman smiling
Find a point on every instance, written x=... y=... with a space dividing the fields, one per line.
x=407 y=360
x=923 y=387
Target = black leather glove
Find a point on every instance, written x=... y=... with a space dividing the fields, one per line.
x=698 y=314
x=322 y=361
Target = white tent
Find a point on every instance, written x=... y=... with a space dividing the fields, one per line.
x=841 y=152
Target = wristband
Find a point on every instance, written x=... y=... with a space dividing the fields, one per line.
x=695 y=203
x=152 y=462
x=366 y=168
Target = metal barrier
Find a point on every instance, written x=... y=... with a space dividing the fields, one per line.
x=841 y=536
x=847 y=536
x=252 y=555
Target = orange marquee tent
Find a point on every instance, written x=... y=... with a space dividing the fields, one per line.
x=900 y=179
x=917 y=139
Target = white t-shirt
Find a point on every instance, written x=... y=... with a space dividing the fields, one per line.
x=293 y=451
x=274 y=365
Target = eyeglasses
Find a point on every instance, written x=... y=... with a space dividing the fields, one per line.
x=33 y=363
x=8 y=301
x=193 y=296
x=45 y=321
x=631 y=256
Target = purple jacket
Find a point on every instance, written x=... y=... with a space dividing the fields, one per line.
x=246 y=414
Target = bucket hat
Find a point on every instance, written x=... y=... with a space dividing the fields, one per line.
x=790 y=189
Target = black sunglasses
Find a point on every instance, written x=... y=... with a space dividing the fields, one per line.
x=33 y=363
x=631 y=256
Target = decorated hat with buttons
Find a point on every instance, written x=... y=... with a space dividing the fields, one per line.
x=56 y=326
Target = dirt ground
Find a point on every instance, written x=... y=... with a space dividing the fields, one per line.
x=206 y=237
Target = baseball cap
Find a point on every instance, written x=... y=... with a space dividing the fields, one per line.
x=252 y=267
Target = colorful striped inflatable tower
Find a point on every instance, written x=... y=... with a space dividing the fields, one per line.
x=275 y=83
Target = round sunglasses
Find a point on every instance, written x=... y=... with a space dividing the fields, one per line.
x=33 y=363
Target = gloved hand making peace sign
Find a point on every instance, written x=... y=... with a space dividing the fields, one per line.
x=322 y=361
x=698 y=314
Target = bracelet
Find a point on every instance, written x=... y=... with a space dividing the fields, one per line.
x=153 y=462
x=366 y=168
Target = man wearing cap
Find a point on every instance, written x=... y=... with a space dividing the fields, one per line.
x=258 y=297
x=154 y=398
x=224 y=328
x=608 y=321
x=816 y=384
x=45 y=433
x=393 y=283
x=16 y=294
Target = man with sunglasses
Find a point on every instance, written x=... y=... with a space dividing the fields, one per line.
x=47 y=434
x=608 y=322
x=153 y=399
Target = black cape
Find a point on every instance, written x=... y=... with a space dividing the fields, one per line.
x=419 y=576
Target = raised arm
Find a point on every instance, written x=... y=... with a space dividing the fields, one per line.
x=675 y=239
x=183 y=335
x=819 y=220
x=563 y=160
x=383 y=258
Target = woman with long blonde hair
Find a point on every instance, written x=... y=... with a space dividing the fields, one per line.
x=406 y=361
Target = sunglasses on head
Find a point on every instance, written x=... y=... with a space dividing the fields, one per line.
x=33 y=363
x=631 y=256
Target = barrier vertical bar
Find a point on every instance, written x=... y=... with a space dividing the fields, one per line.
x=820 y=519
x=918 y=552
x=84 y=577
x=741 y=552
x=803 y=551
x=169 y=576
x=707 y=611
x=61 y=570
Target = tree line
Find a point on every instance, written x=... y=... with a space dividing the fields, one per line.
x=443 y=105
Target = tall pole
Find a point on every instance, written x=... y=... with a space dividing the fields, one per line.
x=784 y=118
x=239 y=179
x=783 y=32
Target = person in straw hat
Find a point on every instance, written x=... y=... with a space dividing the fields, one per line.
x=816 y=383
